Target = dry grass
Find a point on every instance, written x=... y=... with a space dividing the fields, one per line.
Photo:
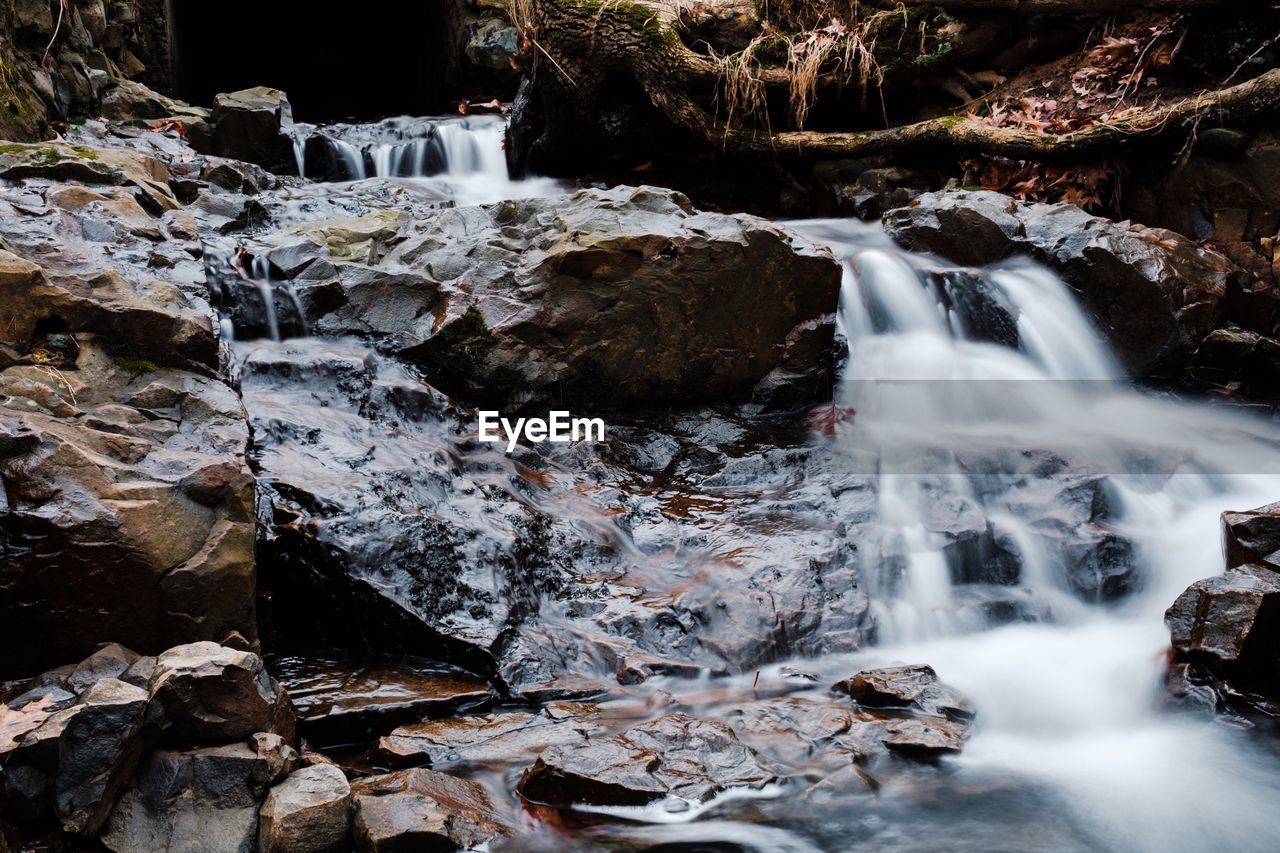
x=842 y=54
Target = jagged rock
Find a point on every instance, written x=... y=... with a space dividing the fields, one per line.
x=1229 y=624
x=492 y=43
x=196 y=801
x=909 y=688
x=1249 y=361
x=132 y=100
x=422 y=809
x=209 y=693
x=350 y=700
x=60 y=161
x=76 y=762
x=130 y=511
x=506 y=303
x=1252 y=537
x=1154 y=293
x=251 y=124
x=675 y=757
x=307 y=813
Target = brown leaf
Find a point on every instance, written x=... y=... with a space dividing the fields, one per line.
x=15 y=724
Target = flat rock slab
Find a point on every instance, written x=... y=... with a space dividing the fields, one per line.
x=490 y=739
x=676 y=757
x=348 y=699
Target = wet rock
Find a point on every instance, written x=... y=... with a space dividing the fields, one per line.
x=1229 y=624
x=1154 y=293
x=132 y=100
x=490 y=739
x=492 y=43
x=351 y=700
x=60 y=161
x=250 y=125
x=1247 y=362
x=523 y=288
x=1252 y=537
x=202 y=799
x=674 y=758
x=209 y=693
x=307 y=813
x=422 y=809
x=924 y=739
x=129 y=513
x=910 y=688
x=75 y=763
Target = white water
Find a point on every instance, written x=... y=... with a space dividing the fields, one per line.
x=462 y=156
x=1072 y=703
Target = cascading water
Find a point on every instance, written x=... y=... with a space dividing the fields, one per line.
x=1069 y=700
x=984 y=392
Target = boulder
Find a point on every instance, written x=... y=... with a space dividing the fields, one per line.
x=618 y=297
x=307 y=813
x=492 y=44
x=675 y=758
x=61 y=161
x=1252 y=537
x=209 y=693
x=1154 y=293
x=133 y=100
x=1225 y=632
x=195 y=801
x=1240 y=360
x=909 y=688
x=252 y=125
x=74 y=764
x=422 y=810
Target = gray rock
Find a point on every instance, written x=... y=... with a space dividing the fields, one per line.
x=209 y=693
x=74 y=765
x=1154 y=294
x=1252 y=537
x=492 y=44
x=307 y=813
x=673 y=758
x=197 y=801
x=908 y=688
x=251 y=124
x=619 y=297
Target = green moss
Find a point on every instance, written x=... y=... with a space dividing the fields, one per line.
x=135 y=366
x=951 y=121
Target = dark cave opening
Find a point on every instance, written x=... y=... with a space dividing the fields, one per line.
x=336 y=60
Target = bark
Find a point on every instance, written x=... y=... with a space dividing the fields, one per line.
x=1080 y=7
x=584 y=47
x=1257 y=97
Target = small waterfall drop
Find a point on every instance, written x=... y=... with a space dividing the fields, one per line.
x=990 y=390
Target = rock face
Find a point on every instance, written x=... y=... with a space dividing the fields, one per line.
x=1154 y=294
x=675 y=758
x=618 y=297
x=251 y=125
x=129 y=504
x=307 y=813
x=211 y=694
x=422 y=810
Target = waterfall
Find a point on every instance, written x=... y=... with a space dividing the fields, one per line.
x=976 y=386
x=402 y=147
x=245 y=294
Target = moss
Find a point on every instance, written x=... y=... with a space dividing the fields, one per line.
x=950 y=122
x=135 y=366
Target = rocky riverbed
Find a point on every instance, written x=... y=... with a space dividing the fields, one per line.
x=877 y=541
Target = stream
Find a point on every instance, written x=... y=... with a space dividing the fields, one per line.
x=1023 y=518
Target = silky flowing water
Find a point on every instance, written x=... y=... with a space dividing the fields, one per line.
x=953 y=381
